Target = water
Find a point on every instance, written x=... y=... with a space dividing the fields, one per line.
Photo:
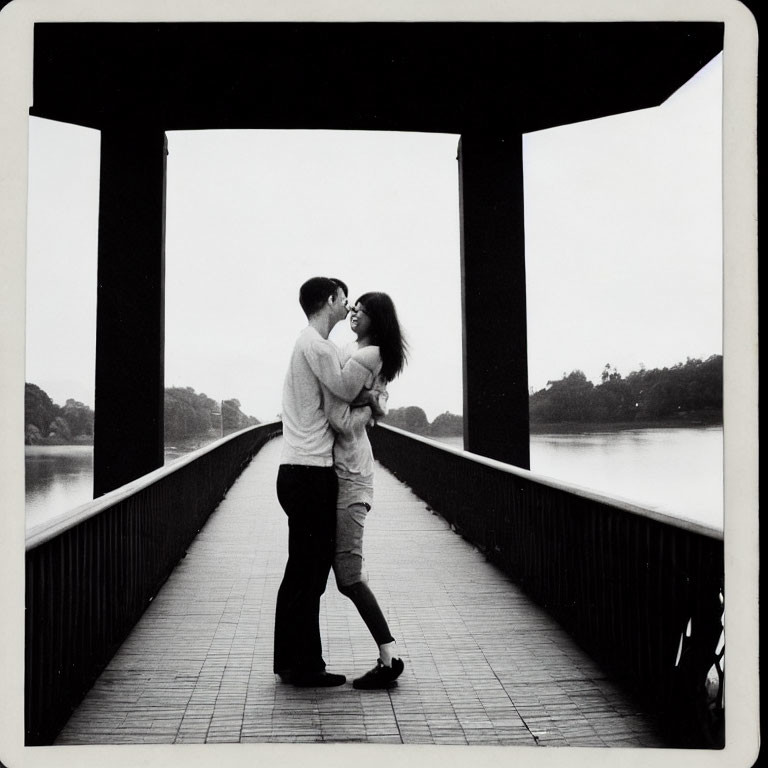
x=60 y=477
x=677 y=471
x=56 y=478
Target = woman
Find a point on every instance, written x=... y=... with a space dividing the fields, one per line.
x=380 y=347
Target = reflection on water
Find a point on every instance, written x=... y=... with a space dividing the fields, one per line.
x=60 y=477
x=57 y=478
x=678 y=470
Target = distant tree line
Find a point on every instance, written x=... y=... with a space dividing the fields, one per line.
x=46 y=423
x=188 y=416
x=413 y=419
x=192 y=416
x=690 y=391
x=686 y=392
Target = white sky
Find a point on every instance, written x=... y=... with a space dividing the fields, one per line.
x=623 y=248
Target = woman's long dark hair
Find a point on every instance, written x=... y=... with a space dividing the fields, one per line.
x=386 y=333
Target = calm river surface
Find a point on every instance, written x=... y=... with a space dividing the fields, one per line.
x=59 y=478
x=677 y=471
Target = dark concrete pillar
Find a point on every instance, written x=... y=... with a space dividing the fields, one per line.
x=128 y=439
x=493 y=298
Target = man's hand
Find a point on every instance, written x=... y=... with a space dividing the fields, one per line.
x=378 y=411
x=371 y=398
x=366 y=397
x=379 y=398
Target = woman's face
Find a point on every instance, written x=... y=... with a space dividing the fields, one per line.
x=359 y=320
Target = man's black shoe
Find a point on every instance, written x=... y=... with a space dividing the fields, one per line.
x=380 y=676
x=317 y=680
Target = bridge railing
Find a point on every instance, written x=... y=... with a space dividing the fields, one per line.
x=91 y=573
x=642 y=592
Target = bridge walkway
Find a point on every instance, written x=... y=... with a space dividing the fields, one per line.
x=484 y=665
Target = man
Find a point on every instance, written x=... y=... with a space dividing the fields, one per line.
x=307 y=484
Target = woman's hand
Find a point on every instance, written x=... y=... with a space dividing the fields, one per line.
x=370 y=398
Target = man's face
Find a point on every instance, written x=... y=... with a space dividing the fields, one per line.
x=340 y=309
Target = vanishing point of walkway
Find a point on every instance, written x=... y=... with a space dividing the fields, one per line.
x=484 y=665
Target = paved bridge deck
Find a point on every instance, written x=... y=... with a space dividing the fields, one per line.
x=484 y=665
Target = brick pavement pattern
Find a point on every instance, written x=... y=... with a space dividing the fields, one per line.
x=484 y=665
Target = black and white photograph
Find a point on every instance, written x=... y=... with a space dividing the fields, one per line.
x=379 y=383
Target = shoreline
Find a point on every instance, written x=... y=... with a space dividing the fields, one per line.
x=575 y=427
x=570 y=427
x=58 y=443
x=554 y=428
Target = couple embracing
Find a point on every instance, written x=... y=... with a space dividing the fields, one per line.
x=325 y=479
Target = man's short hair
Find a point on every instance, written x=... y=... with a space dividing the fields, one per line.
x=316 y=291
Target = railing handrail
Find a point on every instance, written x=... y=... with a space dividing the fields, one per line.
x=49 y=529
x=587 y=493
x=641 y=592
x=90 y=575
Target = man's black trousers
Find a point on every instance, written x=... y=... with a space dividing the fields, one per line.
x=308 y=496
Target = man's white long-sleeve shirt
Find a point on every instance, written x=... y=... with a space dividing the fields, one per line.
x=308 y=437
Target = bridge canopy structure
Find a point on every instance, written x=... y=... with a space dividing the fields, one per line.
x=488 y=82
